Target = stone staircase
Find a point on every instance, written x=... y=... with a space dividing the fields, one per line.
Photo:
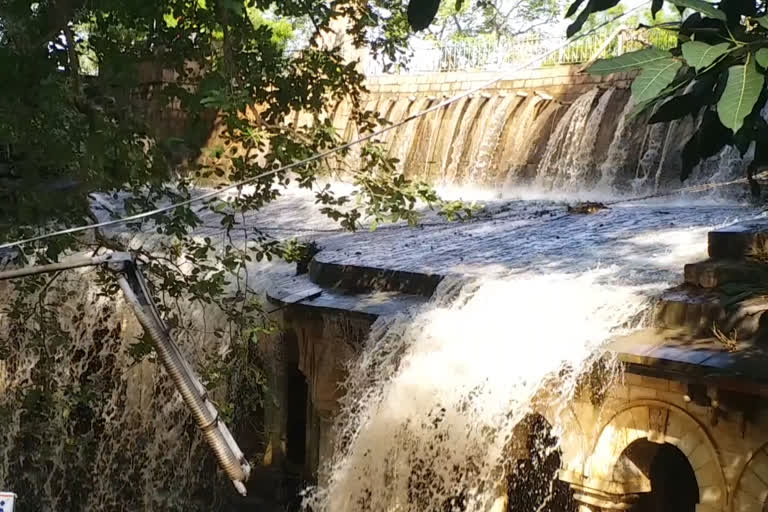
x=713 y=328
x=725 y=296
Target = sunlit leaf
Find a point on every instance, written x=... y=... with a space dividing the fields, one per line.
x=761 y=56
x=701 y=6
x=654 y=78
x=701 y=55
x=741 y=92
x=170 y=20
x=628 y=61
x=763 y=21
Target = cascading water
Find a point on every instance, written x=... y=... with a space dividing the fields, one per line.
x=434 y=403
x=465 y=131
x=88 y=422
x=565 y=141
x=479 y=172
x=514 y=145
x=622 y=153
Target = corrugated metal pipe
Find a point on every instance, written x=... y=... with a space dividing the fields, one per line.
x=216 y=433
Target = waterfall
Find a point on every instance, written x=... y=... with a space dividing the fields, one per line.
x=521 y=140
x=622 y=151
x=465 y=131
x=92 y=423
x=405 y=139
x=480 y=172
x=565 y=142
x=433 y=403
x=569 y=160
x=648 y=164
x=444 y=139
x=515 y=141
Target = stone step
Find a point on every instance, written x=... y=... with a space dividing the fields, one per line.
x=702 y=311
x=743 y=240
x=716 y=273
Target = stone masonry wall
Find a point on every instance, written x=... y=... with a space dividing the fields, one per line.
x=564 y=83
x=725 y=441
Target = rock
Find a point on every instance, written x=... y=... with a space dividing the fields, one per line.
x=588 y=207
x=745 y=240
x=716 y=273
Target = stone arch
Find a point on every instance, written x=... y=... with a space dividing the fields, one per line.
x=572 y=440
x=751 y=491
x=659 y=422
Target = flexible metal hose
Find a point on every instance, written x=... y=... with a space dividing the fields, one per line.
x=192 y=391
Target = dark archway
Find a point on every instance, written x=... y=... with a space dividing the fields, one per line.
x=532 y=484
x=296 y=395
x=673 y=481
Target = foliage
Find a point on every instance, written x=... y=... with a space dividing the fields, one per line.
x=715 y=73
x=227 y=66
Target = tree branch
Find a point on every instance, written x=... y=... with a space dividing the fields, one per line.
x=74 y=60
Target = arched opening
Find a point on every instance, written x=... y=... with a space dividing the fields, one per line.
x=532 y=484
x=673 y=481
x=296 y=402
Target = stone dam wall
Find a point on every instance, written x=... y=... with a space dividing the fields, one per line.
x=563 y=83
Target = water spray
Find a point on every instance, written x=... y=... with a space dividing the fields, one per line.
x=134 y=286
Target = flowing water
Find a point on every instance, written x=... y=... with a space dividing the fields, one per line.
x=435 y=401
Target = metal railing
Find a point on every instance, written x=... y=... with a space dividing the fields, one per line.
x=506 y=54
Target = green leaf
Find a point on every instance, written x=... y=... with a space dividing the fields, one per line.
x=763 y=21
x=701 y=55
x=762 y=57
x=628 y=61
x=741 y=92
x=701 y=6
x=654 y=78
x=170 y=20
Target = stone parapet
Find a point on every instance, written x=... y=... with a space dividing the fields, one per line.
x=564 y=83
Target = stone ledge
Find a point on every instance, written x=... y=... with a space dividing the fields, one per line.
x=715 y=273
x=745 y=240
x=300 y=292
x=676 y=355
x=361 y=278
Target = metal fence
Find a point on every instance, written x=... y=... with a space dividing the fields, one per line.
x=507 y=54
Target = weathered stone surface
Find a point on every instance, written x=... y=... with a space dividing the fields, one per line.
x=733 y=310
x=689 y=307
x=749 y=239
x=363 y=278
x=677 y=355
x=291 y=291
x=715 y=273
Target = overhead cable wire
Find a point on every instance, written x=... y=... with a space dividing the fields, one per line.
x=317 y=156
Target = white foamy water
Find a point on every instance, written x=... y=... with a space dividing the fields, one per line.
x=433 y=403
